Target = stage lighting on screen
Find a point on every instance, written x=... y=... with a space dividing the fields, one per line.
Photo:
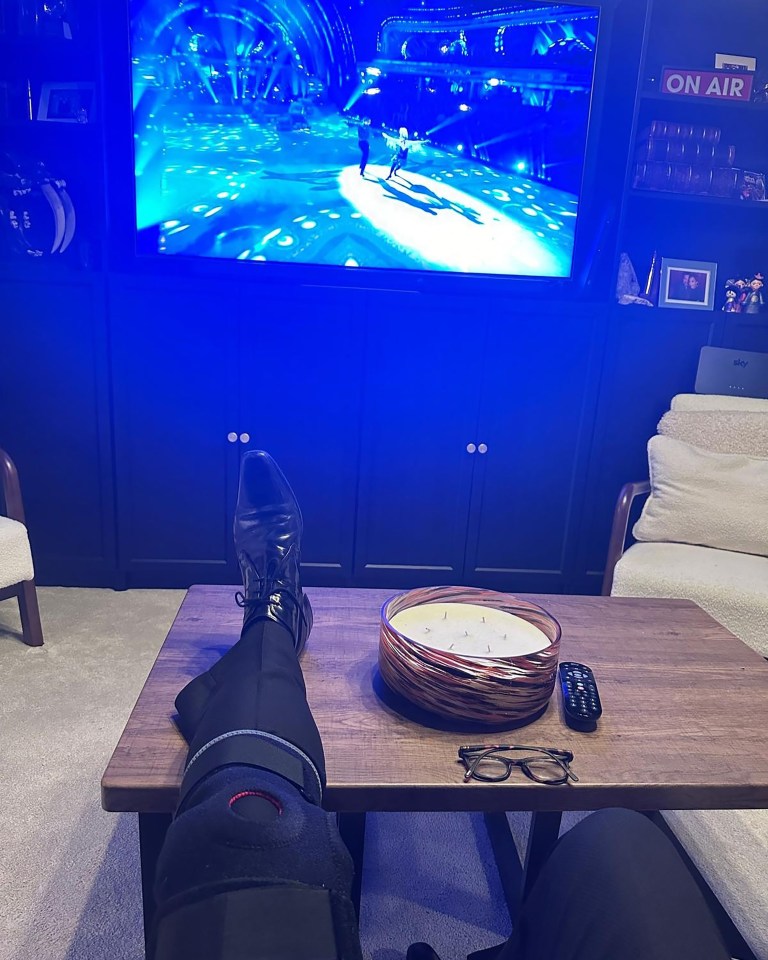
x=286 y=132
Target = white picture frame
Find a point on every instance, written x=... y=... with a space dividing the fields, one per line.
x=687 y=284
x=67 y=103
x=731 y=61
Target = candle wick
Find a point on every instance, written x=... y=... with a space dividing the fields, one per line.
x=505 y=636
x=451 y=647
x=426 y=629
x=489 y=649
x=445 y=615
x=483 y=619
x=466 y=634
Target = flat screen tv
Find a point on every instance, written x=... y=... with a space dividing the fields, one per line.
x=413 y=135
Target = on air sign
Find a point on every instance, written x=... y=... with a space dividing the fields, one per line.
x=715 y=84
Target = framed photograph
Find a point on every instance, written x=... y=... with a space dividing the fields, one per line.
x=689 y=284
x=67 y=102
x=729 y=61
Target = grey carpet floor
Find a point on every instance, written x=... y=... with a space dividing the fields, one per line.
x=70 y=872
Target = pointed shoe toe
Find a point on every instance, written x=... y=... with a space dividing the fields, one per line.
x=268 y=519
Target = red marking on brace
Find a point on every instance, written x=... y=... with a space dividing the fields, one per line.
x=256 y=793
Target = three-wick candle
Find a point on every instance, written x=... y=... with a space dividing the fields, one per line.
x=469 y=630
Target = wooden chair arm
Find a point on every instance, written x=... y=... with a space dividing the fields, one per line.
x=619 y=529
x=14 y=506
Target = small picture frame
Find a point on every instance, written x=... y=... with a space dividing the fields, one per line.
x=729 y=61
x=67 y=103
x=688 y=284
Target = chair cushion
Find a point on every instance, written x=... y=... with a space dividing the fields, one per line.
x=719 y=431
x=731 y=587
x=730 y=850
x=15 y=555
x=712 y=401
x=712 y=499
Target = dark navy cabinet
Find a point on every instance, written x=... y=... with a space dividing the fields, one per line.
x=300 y=375
x=204 y=372
x=174 y=364
x=538 y=397
x=475 y=442
x=55 y=424
x=420 y=416
x=428 y=441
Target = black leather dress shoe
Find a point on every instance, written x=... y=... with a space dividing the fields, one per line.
x=268 y=528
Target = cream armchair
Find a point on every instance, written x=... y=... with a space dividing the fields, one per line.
x=17 y=575
x=703 y=534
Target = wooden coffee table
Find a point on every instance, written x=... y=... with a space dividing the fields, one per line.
x=685 y=710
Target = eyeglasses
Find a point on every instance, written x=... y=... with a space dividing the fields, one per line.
x=487 y=762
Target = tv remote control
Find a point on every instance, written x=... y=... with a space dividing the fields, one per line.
x=581 y=701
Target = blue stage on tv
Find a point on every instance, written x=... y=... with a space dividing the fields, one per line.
x=371 y=134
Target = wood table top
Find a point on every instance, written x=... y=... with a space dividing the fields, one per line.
x=685 y=713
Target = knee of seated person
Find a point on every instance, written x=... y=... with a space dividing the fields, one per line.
x=247 y=823
x=617 y=836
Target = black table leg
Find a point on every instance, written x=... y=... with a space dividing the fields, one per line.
x=507 y=860
x=152 y=830
x=352 y=830
x=542 y=837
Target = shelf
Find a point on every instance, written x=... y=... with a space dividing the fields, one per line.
x=78 y=278
x=709 y=101
x=38 y=52
x=665 y=314
x=669 y=195
x=39 y=125
x=51 y=269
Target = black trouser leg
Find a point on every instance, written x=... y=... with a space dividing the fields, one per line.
x=257 y=685
x=614 y=888
x=365 y=149
x=252 y=867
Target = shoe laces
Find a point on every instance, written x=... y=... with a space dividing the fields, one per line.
x=264 y=585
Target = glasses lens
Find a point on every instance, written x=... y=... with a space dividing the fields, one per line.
x=490 y=768
x=545 y=770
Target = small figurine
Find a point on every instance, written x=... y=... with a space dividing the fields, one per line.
x=732 y=304
x=740 y=287
x=734 y=295
x=753 y=302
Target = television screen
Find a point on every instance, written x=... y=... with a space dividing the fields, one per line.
x=405 y=134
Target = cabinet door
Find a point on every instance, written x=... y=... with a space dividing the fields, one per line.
x=539 y=387
x=419 y=415
x=175 y=376
x=300 y=375
x=54 y=422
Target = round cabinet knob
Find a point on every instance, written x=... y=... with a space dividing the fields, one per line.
x=245 y=438
x=232 y=437
x=471 y=448
x=482 y=448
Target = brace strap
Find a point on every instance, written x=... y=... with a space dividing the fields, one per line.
x=252 y=750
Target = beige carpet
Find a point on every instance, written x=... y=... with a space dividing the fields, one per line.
x=70 y=872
